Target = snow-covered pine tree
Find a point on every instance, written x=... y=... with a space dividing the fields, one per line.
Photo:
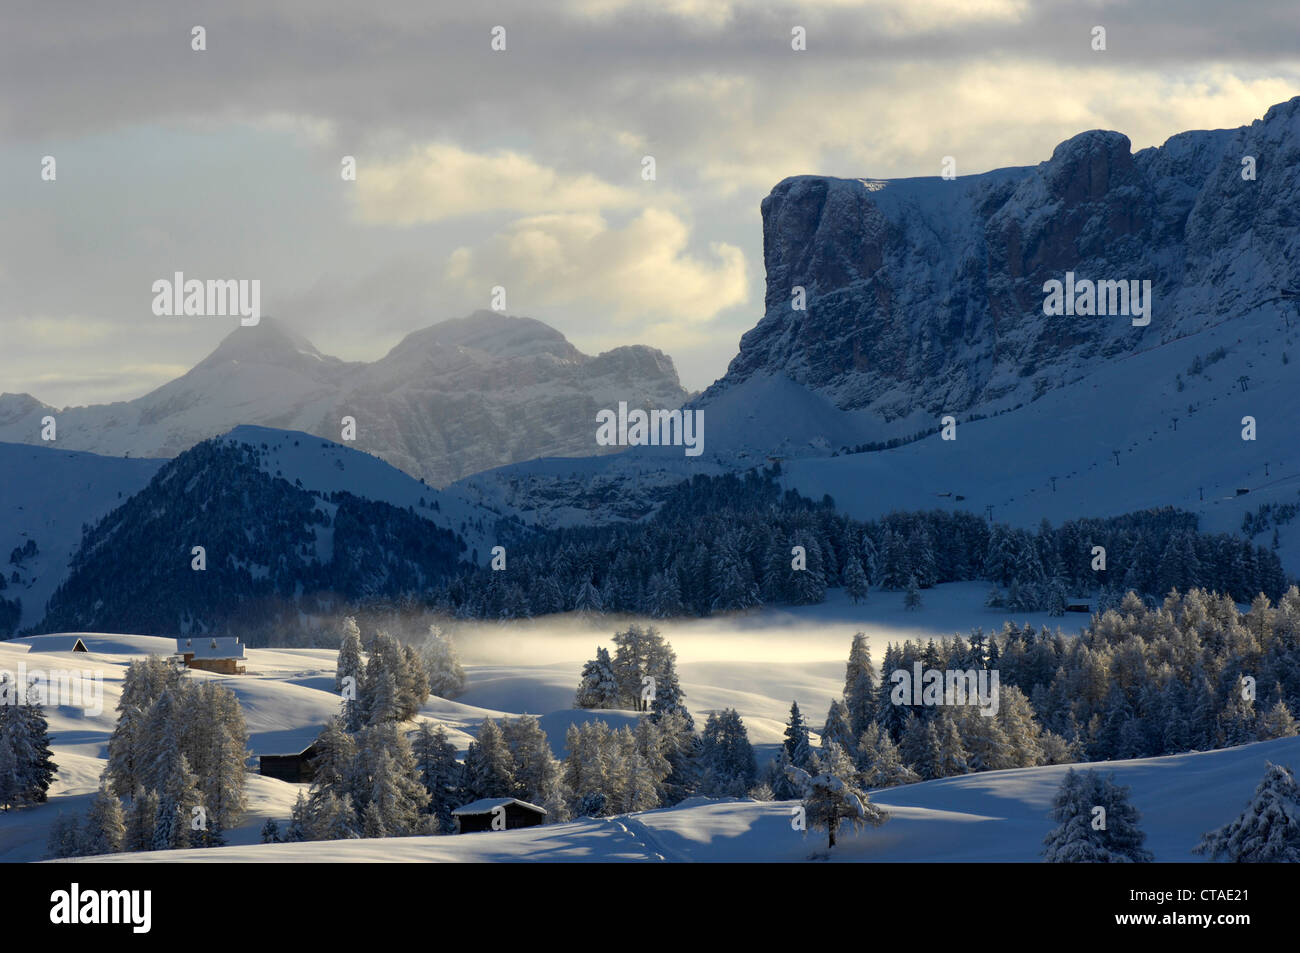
x=350 y=664
x=387 y=777
x=439 y=772
x=1086 y=835
x=680 y=747
x=178 y=795
x=726 y=757
x=777 y=779
x=860 y=686
x=1277 y=722
x=334 y=818
x=218 y=753
x=372 y=821
x=598 y=687
x=837 y=728
x=536 y=772
x=446 y=676
x=105 y=828
x=1015 y=716
x=300 y=821
x=796 y=745
x=661 y=665
x=26 y=767
x=920 y=557
x=919 y=746
x=65 y=836
x=489 y=766
x=1268 y=830
x=414 y=683
x=630 y=664
x=587 y=599
x=381 y=694
x=663 y=596
x=333 y=767
x=953 y=758
x=912 y=597
x=879 y=761
x=894 y=570
x=140 y=820
x=270 y=833
x=986 y=743
x=832 y=796
x=588 y=768
x=855 y=581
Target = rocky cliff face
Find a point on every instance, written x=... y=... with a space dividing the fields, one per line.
x=925 y=296
x=449 y=400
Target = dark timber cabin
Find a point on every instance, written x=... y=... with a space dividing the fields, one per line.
x=298 y=767
x=478 y=815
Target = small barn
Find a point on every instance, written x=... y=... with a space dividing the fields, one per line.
x=1078 y=605
x=79 y=646
x=479 y=815
x=217 y=653
x=298 y=768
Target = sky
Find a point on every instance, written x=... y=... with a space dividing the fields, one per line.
x=523 y=168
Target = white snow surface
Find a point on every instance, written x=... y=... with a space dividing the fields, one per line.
x=533 y=667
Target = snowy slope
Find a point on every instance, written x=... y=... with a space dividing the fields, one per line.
x=523 y=668
x=1130 y=405
x=328 y=467
x=999 y=816
x=46 y=495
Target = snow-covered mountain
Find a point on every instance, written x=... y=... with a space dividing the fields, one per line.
x=48 y=497
x=925 y=296
x=52 y=496
x=450 y=400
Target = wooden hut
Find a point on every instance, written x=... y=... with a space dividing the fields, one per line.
x=217 y=653
x=508 y=813
x=298 y=768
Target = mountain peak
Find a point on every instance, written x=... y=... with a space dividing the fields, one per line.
x=488 y=332
x=270 y=341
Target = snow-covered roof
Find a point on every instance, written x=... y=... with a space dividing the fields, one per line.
x=488 y=804
x=211 y=646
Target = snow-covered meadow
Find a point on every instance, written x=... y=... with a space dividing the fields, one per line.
x=756 y=663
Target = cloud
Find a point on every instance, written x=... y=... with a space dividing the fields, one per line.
x=442 y=181
x=642 y=270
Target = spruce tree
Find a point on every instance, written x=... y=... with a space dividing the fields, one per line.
x=446 y=676
x=140 y=820
x=796 y=744
x=726 y=756
x=879 y=762
x=837 y=728
x=1268 y=830
x=860 y=686
x=1096 y=824
x=489 y=766
x=105 y=828
x=439 y=772
x=350 y=665
x=598 y=687
x=1277 y=722
x=855 y=581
